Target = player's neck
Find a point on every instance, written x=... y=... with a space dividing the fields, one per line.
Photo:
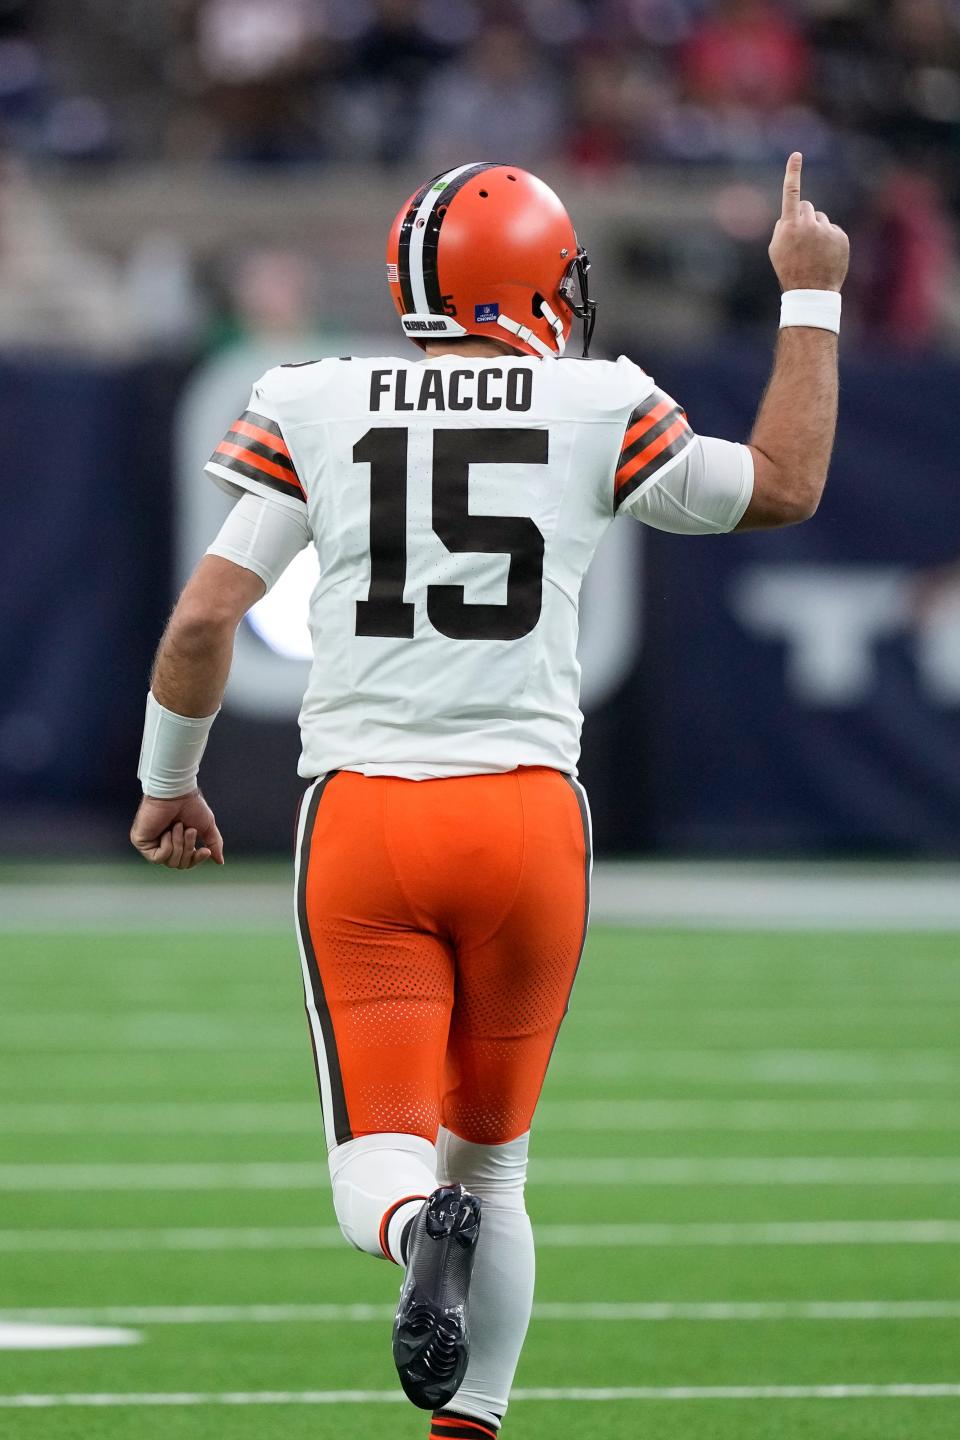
x=469 y=349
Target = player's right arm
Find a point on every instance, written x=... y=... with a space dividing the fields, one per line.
x=174 y=826
x=793 y=435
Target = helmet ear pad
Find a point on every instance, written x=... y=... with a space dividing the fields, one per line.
x=501 y=245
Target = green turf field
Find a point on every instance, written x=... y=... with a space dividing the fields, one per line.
x=773 y=1121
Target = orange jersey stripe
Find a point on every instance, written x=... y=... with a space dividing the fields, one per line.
x=254 y=432
x=646 y=423
x=237 y=452
x=652 y=451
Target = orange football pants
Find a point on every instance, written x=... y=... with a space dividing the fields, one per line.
x=441 y=923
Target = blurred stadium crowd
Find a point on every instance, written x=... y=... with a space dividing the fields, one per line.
x=601 y=83
x=868 y=89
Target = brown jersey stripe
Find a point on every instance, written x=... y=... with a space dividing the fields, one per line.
x=660 y=419
x=286 y=486
x=249 y=457
x=671 y=448
x=637 y=429
x=266 y=452
x=255 y=430
x=655 y=398
x=654 y=446
x=263 y=422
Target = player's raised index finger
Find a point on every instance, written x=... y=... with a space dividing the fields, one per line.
x=791 y=187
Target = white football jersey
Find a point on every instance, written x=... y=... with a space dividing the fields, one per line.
x=455 y=505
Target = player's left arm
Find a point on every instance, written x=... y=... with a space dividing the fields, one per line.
x=174 y=826
x=675 y=480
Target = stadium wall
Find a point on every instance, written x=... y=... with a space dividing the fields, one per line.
x=780 y=693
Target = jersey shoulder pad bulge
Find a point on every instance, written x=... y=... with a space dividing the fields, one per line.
x=254 y=456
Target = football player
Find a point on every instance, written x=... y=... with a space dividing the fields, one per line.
x=455 y=498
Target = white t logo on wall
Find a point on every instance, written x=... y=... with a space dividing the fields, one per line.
x=832 y=620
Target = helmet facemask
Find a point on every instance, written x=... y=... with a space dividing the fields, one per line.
x=575 y=290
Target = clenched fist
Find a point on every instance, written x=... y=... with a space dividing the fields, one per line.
x=167 y=832
x=807 y=251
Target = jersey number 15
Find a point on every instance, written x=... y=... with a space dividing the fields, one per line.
x=385 y=612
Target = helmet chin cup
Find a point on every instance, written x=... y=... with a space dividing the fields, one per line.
x=575 y=289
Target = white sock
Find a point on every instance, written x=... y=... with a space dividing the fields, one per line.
x=379 y=1183
x=501 y=1292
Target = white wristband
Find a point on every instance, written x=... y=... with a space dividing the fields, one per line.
x=171 y=752
x=820 y=309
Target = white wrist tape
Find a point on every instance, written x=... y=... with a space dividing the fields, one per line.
x=171 y=752
x=819 y=309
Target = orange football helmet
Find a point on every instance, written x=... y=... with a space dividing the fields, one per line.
x=489 y=250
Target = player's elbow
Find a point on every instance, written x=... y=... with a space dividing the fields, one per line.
x=214 y=601
x=783 y=494
x=200 y=626
x=800 y=505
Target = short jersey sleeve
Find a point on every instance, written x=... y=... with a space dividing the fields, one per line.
x=254 y=457
x=656 y=437
x=707 y=493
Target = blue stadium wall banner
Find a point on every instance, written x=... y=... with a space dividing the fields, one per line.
x=794 y=691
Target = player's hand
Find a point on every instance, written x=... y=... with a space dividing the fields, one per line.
x=807 y=251
x=180 y=834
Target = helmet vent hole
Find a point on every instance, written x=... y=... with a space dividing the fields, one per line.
x=484 y=194
x=537 y=306
x=511 y=177
x=441 y=211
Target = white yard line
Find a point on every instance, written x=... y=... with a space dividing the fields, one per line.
x=650 y=893
x=811 y=1065
x=238 y=1117
x=171 y=1117
x=785 y=1170
x=668 y=1171
x=800 y=1065
x=773 y=897
x=613 y=1311
x=728 y=1234
x=723 y=1234
x=390 y=1397
x=40 y=1033
x=286 y=1237
x=763 y=1116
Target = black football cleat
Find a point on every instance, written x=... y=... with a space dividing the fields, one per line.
x=431 y=1338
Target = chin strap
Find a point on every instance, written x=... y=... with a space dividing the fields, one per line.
x=556 y=324
x=522 y=332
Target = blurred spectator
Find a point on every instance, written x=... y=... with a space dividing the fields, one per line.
x=499 y=101
x=258 y=58
x=392 y=61
x=859 y=85
x=273 y=294
x=744 y=72
x=902 y=264
x=605 y=118
x=745 y=53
